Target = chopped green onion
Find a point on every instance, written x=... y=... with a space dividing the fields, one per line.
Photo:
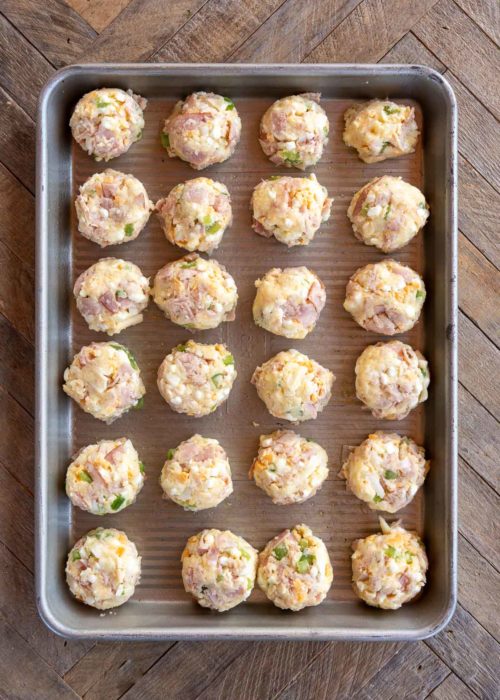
x=129 y=229
x=305 y=562
x=165 y=141
x=364 y=210
x=384 y=146
x=249 y=584
x=303 y=544
x=181 y=347
x=230 y=104
x=290 y=156
x=219 y=578
x=408 y=557
x=139 y=404
x=422 y=205
x=424 y=371
x=75 y=555
x=129 y=354
x=420 y=294
x=325 y=130
x=245 y=554
x=207 y=220
x=85 y=476
x=213 y=228
x=185 y=266
x=142 y=468
x=118 y=502
x=170 y=454
x=376 y=499
x=275 y=177
x=389 y=474
x=280 y=551
x=390 y=551
x=101 y=103
x=139 y=135
x=387 y=212
x=391 y=110
x=121 y=294
x=229 y=360
x=215 y=379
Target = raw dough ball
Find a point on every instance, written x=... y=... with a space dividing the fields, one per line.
x=391 y=379
x=290 y=208
x=196 y=293
x=203 y=129
x=380 y=129
x=218 y=569
x=288 y=302
x=195 y=214
x=387 y=213
x=106 y=477
x=196 y=474
x=103 y=568
x=294 y=130
x=104 y=380
x=386 y=471
x=106 y=122
x=388 y=569
x=112 y=208
x=196 y=378
x=288 y=467
x=294 y=569
x=385 y=297
x=293 y=386
x=111 y=295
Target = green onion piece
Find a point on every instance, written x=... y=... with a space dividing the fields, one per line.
x=121 y=294
x=364 y=210
x=271 y=467
x=391 y=110
x=229 y=105
x=387 y=212
x=219 y=578
x=75 y=555
x=139 y=135
x=384 y=146
x=139 y=404
x=280 y=551
x=170 y=454
x=215 y=379
x=229 y=360
x=303 y=544
x=275 y=177
x=325 y=130
x=207 y=220
x=185 y=266
x=129 y=229
x=181 y=347
x=245 y=554
x=304 y=563
x=118 y=502
x=422 y=205
x=424 y=371
x=249 y=584
x=389 y=474
x=142 y=468
x=420 y=294
x=290 y=156
x=376 y=499
x=408 y=557
x=101 y=103
x=213 y=228
x=129 y=354
x=165 y=141
x=390 y=551
x=85 y=476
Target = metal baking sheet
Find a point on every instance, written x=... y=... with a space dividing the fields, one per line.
x=160 y=609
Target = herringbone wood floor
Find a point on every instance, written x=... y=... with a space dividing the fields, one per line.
x=457 y=37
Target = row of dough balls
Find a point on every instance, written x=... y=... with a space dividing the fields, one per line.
x=196 y=378
x=205 y=128
x=113 y=208
x=385 y=471
x=198 y=294
x=219 y=568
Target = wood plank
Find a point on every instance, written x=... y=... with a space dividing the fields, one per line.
x=18 y=368
x=470 y=652
x=109 y=670
x=17 y=232
x=369 y=31
x=17 y=141
x=146 y=25
x=478 y=586
x=24 y=69
x=16 y=518
x=479 y=437
x=410 y=50
x=477 y=363
x=478 y=507
x=485 y=13
x=452 y=688
x=477 y=273
x=52 y=26
x=17 y=605
x=16 y=440
x=227 y=22
x=307 y=24
x=98 y=13
x=16 y=293
x=476 y=59
x=24 y=675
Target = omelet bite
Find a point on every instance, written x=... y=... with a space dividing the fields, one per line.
x=293 y=386
x=196 y=474
x=380 y=129
x=196 y=293
x=294 y=569
x=387 y=213
x=202 y=130
x=385 y=471
x=294 y=131
x=290 y=208
x=385 y=297
x=218 y=569
x=106 y=122
x=103 y=568
x=389 y=569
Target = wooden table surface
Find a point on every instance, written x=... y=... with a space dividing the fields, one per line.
x=459 y=38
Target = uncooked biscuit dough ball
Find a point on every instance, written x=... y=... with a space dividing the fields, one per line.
x=288 y=467
x=106 y=122
x=288 y=302
x=196 y=378
x=293 y=386
x=387 y=213
x=389 y=569
x=294 y=569
x=294 y=130
x=104 y=380
x=290 y=208
x=112 y=208
x=196 y=474
x=195 y=214
x=103 y=568
x=196 y=293
x=386 y=471
x=391 y=379
x=218 y=569
x=385 y=297
x=106 y=477
x=203 y=129
x=380 y=129
x=111 y=295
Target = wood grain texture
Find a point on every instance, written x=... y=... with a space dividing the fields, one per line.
x=452 y=688
x=98 y=13
x=17 y=141
x=477 y=360
x=486 y=14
